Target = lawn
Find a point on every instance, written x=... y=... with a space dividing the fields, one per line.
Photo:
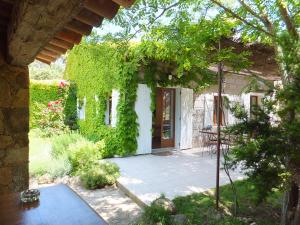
x=40 y=159
x=200 y=208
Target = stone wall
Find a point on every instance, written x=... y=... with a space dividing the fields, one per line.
x=198 y=119
x=14 y=127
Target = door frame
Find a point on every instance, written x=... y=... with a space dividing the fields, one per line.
x=169 y=143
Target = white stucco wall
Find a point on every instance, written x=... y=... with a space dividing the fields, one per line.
x=114 y=103
x=143 y=110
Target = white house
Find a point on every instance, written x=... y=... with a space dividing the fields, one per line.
x=180 y=113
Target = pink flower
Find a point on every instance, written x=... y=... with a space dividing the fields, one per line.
x=62 y=84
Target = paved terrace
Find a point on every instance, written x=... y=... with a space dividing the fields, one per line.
x=144 y=178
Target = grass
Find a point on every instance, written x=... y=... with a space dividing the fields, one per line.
x=41 y=161
x=200 y=208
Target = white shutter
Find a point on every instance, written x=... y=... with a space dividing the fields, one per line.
x=144 y=113
x=186 y=137
x=114 y=103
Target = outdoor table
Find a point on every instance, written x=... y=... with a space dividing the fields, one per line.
x=58 y=205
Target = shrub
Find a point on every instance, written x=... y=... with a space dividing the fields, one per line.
x=60 y=143
x=154 y=214
x=83 y=154
x=41 y=161
x=99 y=175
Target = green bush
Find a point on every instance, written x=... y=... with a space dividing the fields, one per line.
x=60 y=143
x=70 y=108
x=41 y=93
x=83 y=154
x=154 y=214
x=41 y=161
x=99 y=175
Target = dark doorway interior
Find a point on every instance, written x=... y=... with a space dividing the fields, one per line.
x=164 y=119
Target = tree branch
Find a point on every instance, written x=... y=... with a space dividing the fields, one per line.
x=156 y=18
x=287 y=19
x=235 y=15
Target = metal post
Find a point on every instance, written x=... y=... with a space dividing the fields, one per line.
x=219 y=111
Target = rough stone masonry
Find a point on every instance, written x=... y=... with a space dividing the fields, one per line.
x=14 y=127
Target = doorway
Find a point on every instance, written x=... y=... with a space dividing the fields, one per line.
x=164 y=119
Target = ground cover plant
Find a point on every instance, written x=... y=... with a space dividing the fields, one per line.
x=70 y=154
x=200 y=208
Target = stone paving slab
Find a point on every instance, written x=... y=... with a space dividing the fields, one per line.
x=146 y=177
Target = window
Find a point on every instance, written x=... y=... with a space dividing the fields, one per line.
x=81 y=108
x=253 y=106
x=216 y=112
x=108 y=113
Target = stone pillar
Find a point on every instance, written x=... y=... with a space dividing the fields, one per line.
x=14 y=127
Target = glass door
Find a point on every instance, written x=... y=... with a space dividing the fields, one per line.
x=164 y=119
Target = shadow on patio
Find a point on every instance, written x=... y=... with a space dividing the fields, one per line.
x=146 y=177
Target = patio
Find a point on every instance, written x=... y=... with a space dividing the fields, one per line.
x=144 y=178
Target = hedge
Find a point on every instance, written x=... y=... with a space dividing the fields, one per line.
x=41 y=92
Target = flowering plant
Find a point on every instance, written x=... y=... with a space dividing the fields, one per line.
x=51 y=116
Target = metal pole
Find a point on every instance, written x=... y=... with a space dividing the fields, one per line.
x=219 y=111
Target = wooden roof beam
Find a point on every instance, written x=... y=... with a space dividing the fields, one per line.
x=124 y=3
x=104 y=8
x=43 y=60
x=79 y=27
x=34 y=24
x=89 y=18
x=56 y=49
x=50 y=53
x=46 y=57
x=61 y=43
x=69 y=36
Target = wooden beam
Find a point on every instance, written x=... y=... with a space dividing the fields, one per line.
x=46 y=57
x=34 y=24
x=69 y=36
x=105 y=8
x=61 y=43
x=50 y=53
x=79 y=27
x=56 y=49
x=43 y=60
x=124 y=3
x=90 y=18
x=5 y=9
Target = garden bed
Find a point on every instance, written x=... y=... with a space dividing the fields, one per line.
x=199 y=208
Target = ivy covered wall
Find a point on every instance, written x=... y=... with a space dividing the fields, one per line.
x=97 y=69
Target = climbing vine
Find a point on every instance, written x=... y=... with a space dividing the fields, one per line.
x=180 y=60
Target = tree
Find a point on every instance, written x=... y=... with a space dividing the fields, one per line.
x=275 y=23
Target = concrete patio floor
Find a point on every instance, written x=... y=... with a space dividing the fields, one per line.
x=144 y=178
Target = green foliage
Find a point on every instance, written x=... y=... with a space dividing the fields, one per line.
x=83 y=154
x=99 y=68
x=95 y=81
x=100 y=175
x=200 y=208
x=60 y=143
x=42 y=71
x=52 y=106
x=41 y=93
x=154 y=214
x=40 y=158
x=70 y=107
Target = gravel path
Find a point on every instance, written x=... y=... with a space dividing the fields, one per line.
x=112 y=204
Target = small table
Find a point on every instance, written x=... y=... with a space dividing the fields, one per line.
x=58 y=205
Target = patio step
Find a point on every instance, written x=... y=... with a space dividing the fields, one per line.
x=132 y=196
